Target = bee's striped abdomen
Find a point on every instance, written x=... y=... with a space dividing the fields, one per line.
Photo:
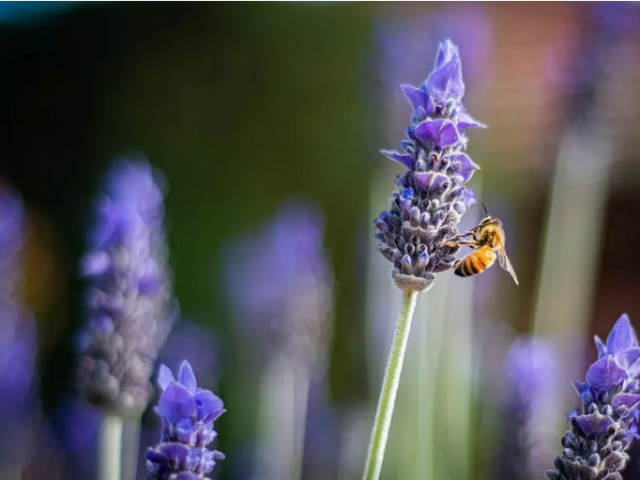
x=476 y=262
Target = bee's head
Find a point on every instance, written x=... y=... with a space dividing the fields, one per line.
x=489 y=220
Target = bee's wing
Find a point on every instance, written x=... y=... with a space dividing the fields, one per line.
x=504 y=262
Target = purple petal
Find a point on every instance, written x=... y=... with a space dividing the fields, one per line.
x=445 y=82
x=185 y=430
x=442 y=133
x=606 y=374
x=629 y=359
x=627 y=400
x=209 y=406
x=594 y=423
x=431 y=181
x=165 y=377
x=622 y=335
x=466 y=166
x=600 y=346
x=407 y=194
x=187 y=377
x=429 y=130
x=418 y=98
x=402 y=158
x=467 y=121
x=448 y=135
x=176 y=403
x=446 y=51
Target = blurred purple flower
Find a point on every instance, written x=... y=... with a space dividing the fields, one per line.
x=18 y=342
x=595 y=447
x=597 y=66
x=527 y=386
x=431 y=197
x=187 y=414
x=75 y=425
x=128 y=303
x=280 y=285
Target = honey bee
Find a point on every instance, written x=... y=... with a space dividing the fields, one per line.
x=487 y=240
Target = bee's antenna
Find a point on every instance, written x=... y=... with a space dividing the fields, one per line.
x=485 y=208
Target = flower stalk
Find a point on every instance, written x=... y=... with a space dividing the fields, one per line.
x=389 y=390
x=110 y=447
x=428 y=203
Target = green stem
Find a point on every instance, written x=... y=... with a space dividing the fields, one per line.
x=387 y=399
x=110 y=447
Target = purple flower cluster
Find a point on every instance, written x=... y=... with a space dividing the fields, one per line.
x=17 y=331
x=595 y=447
x=128 y=303
x=431 y=197
x=187 y=413
x=280 y=284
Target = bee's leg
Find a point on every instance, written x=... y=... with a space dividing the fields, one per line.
x=460 y=243
x=454 y=238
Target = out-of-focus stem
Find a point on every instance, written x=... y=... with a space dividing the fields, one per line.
x=110 y=447
x=283 y=398
x=130 y=449
x=573 y=231
x=387 y=399
x=570 y=257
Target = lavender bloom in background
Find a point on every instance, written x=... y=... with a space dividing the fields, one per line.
x=76 y=428
x=187 y=413
x=431 y=197
x=595 y=447
x=528 y=387
x=280 y=285
x=128 y=302
x=18 y=342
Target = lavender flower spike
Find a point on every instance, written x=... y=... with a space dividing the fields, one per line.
x=18 y=340
x=430 y=198
x=128 y=303
x=187 y=413
x=595 y=447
